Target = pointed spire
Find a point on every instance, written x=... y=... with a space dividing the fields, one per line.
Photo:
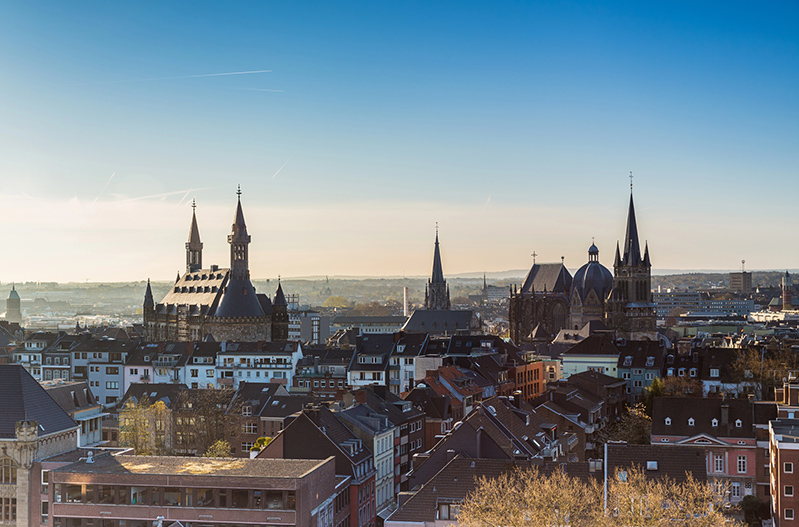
x=239 y=225
x=438 y=271
x=148 y=296
x=194 y=247
x=177 y=278
x=647 y=263
x=632 y=248
x=280 y=298
x=617 y=261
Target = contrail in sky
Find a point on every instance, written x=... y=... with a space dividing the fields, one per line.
x=281 y=168
x=165 y=194
x=103 y=189
x=489 y=197
x=252 y=72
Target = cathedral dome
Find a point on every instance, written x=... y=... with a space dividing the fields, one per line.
x=593 y=276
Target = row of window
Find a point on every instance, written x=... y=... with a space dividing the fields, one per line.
x=302 y=383
x=713 y=422
x=718 y=463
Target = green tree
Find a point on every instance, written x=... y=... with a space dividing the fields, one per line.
x=654 y=390
x=634 y=427
x=336 y=301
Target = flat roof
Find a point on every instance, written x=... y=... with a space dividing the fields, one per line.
x=196 y=466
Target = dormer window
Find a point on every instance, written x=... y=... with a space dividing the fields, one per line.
x=738 y=423
x=714 y=372
x=714 y=422
x=670 y=372
x=628 y=361
x=246 y=411
x=693 y=372
x=668 y=421
x=691 y=421
x=650 y=361
x=681 y=372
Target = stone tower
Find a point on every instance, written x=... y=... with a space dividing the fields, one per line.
x=194 y=247
x=13 y=309
x=436 y=294
x=787 y=291
x=631 y=312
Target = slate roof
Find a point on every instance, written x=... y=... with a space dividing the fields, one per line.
x=434 y=406
x=24 y=399
x=166 y=392
x=271 y=399
x=639 y=351
x=62 y=393
x=594 y=345
x=702 y=410
x=551 y=277
x=197 y=288
x=672 y=462
x=438 y=321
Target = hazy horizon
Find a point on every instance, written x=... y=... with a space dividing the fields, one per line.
x=354 y=128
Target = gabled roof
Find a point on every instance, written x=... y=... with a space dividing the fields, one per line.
x=72 y=396
x=438 y=321
x=639 y=352
x=24 y=399
x=550 y=278
x=168 y=393
x=434 y=406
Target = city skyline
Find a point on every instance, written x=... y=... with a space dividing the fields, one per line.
x=354 y=129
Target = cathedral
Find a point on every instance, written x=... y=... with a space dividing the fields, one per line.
x=436 y=292
x=550 y=299
x=216 y=303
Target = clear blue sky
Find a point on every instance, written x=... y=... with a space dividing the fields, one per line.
x=513 y=124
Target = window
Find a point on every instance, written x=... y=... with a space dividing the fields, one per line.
x=787 y=468
x=112 y=370
x=741 y=464
x=250 y=428
x=692 y=372
x=209 y=374
x=681 y=372
x=246 y=411
x=638 y=371
x=738 y=423
x=134 y=371
x=788 y=514
x=638 y=384
x=718 y=462
x=650 y=361
x=626 y=375
x=714 y=422
x=735 y=489
x=690 y=421
x=650 y=376
x=112 y=385
x=628 y=361
x=194 y=372
x=246 y=446
x=668 y=421
x=714 y=372
x=788 y=491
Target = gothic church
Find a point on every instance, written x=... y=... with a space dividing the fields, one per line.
x=550 y=299
x=216 y=303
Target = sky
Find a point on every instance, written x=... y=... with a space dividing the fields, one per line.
x=353 y=127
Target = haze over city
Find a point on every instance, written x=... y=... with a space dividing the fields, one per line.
x=352 y=129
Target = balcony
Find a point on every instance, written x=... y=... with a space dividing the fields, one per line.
x=165 y=363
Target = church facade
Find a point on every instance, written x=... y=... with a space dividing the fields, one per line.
x=214 y=302
x=551 y=299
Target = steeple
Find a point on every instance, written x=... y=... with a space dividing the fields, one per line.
x=148 y=297
x=280 y=297
x=239 y=242
x=437 y=292
x=632 y=248
x=194 y=247
x=438 y=271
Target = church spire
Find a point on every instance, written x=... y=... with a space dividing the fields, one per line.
x=239 y=242
x=194 y=247
x=148 y=297
x=438 y=271
x=632 y=247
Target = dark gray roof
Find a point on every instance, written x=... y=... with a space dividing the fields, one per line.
x=166 y=392
x=672 y=462
x=593 y=345
x=551 y=277
x=24 y=399
x=702 y=410
x=71 y=396
x=239 y=300
x=438 y=271
x=438 y=321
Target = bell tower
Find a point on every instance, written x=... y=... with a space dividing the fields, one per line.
x=194 y=247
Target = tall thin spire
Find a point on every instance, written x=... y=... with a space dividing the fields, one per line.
x=194 y=247
x=632 y=247
x=438 y=271
x=148 y=296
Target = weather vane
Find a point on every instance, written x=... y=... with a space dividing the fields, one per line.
x=193 y=204
x=534 y=255
x=238 y=192
x=631 y=179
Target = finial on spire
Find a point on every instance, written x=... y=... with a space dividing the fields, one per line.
x=278 y=279
x=631 y=180
x=534 y=254
x=562 y=260
x=238 y=191
x=436 y=229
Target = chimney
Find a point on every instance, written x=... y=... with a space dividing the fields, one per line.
x=517 y=399
x=312 y=411
x=405 y=301
x=725 y=414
